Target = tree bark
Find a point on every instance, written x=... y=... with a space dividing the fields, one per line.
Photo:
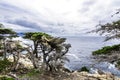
x=32 y=57
x=35 y=49
x=4 y=54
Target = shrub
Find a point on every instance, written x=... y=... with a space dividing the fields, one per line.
x=1 y=47
x=107 y=50
x=118 y=63
x=4 y=65
x=34 y=72
x=84 y=69
x=6 y=78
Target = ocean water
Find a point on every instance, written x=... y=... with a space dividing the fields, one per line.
x=80 y=54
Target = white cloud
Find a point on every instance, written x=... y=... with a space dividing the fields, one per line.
x=57 y=16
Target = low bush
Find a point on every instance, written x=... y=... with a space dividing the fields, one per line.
x=5 y=65
x=107 y=50
x=6 y=78
x=84 y=69
x=34 y=72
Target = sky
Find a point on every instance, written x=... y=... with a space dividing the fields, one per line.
x=60 y=17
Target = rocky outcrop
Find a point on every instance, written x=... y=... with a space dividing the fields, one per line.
x=87 y=76
x=74 y=76
x=23 y=60
x=67 y=75
x=113 y=57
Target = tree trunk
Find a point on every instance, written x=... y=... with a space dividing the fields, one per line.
x=32 y=58
x=16 y=59
x=35 y=49
x=4 y=54
x=16 y=63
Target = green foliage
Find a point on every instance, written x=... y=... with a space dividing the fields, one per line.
x=118 y=63
x=28 y=35
x=116 y=23
x=38 y=35
x=34 y=72
x=52 y=48
x=107 y=50
x=6 y=78
x=84 y=69
x=1 y=46
x=6 y=31
x=4 y=65
x=110 y=30
x=35 y=35
x=19 y=46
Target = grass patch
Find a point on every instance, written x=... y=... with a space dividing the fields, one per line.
x=5 y=65
x=118 y=63
x=6 y=78
x=33 y=72
x=107 y=50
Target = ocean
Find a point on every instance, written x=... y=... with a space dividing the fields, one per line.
x=80 y=54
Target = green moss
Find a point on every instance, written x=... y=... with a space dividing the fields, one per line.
x=0 y=46
x=6 y=78
x=4 y=65
x=34 y=72
x=107 y=50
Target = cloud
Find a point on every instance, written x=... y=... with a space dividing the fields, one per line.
x=24 y=23
x=56 y=16
x=89 y=3
x=116 y=3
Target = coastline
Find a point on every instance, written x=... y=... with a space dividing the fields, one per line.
x=74 y=75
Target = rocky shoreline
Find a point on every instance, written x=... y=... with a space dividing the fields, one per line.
x=68 y=76
x=64 y=75
x=113 y=57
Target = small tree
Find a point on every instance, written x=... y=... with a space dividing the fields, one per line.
x=110 y=30
x=8 y=46
x=36 y=37
x=5 y=33
x=55 y=59
x=38 y=44
x=14 y=48
x=53 y=49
